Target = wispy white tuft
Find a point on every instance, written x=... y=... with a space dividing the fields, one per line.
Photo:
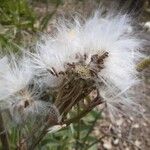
x=98 y=34
x=20 y=93
x=114 y=34
x=14 y=76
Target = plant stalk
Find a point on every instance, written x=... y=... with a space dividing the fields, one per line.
x=3 y=135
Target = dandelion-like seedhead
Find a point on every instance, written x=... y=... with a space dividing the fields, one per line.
x=20 y=94
x=14 y=76
x=77 y=45
x=99 y=53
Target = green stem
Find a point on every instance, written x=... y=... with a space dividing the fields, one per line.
x=91 y=128
x=83 y=113
x=78 y=128
x=39 y=138
x=3 y=135
x=95 y=142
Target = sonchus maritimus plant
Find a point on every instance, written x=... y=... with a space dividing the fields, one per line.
x=41 y=88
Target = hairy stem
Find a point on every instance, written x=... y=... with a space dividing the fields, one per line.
x=39 y=138
x=78 y=128
x=3 y=135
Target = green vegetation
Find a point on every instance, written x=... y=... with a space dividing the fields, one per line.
x=19 y=24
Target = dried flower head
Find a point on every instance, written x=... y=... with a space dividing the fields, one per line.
x=104 y=48
x=99 y=53
x=19 y=94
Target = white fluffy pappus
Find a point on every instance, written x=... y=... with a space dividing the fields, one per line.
x=110 y=33
x=26 y=106
x=20 y=93
x=29 y=108
x=14 y=76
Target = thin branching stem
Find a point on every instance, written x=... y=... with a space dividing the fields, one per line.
x=78 y=127
x=3 y=135
x=95 y=142
x=91 y=129
x=83 y=113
